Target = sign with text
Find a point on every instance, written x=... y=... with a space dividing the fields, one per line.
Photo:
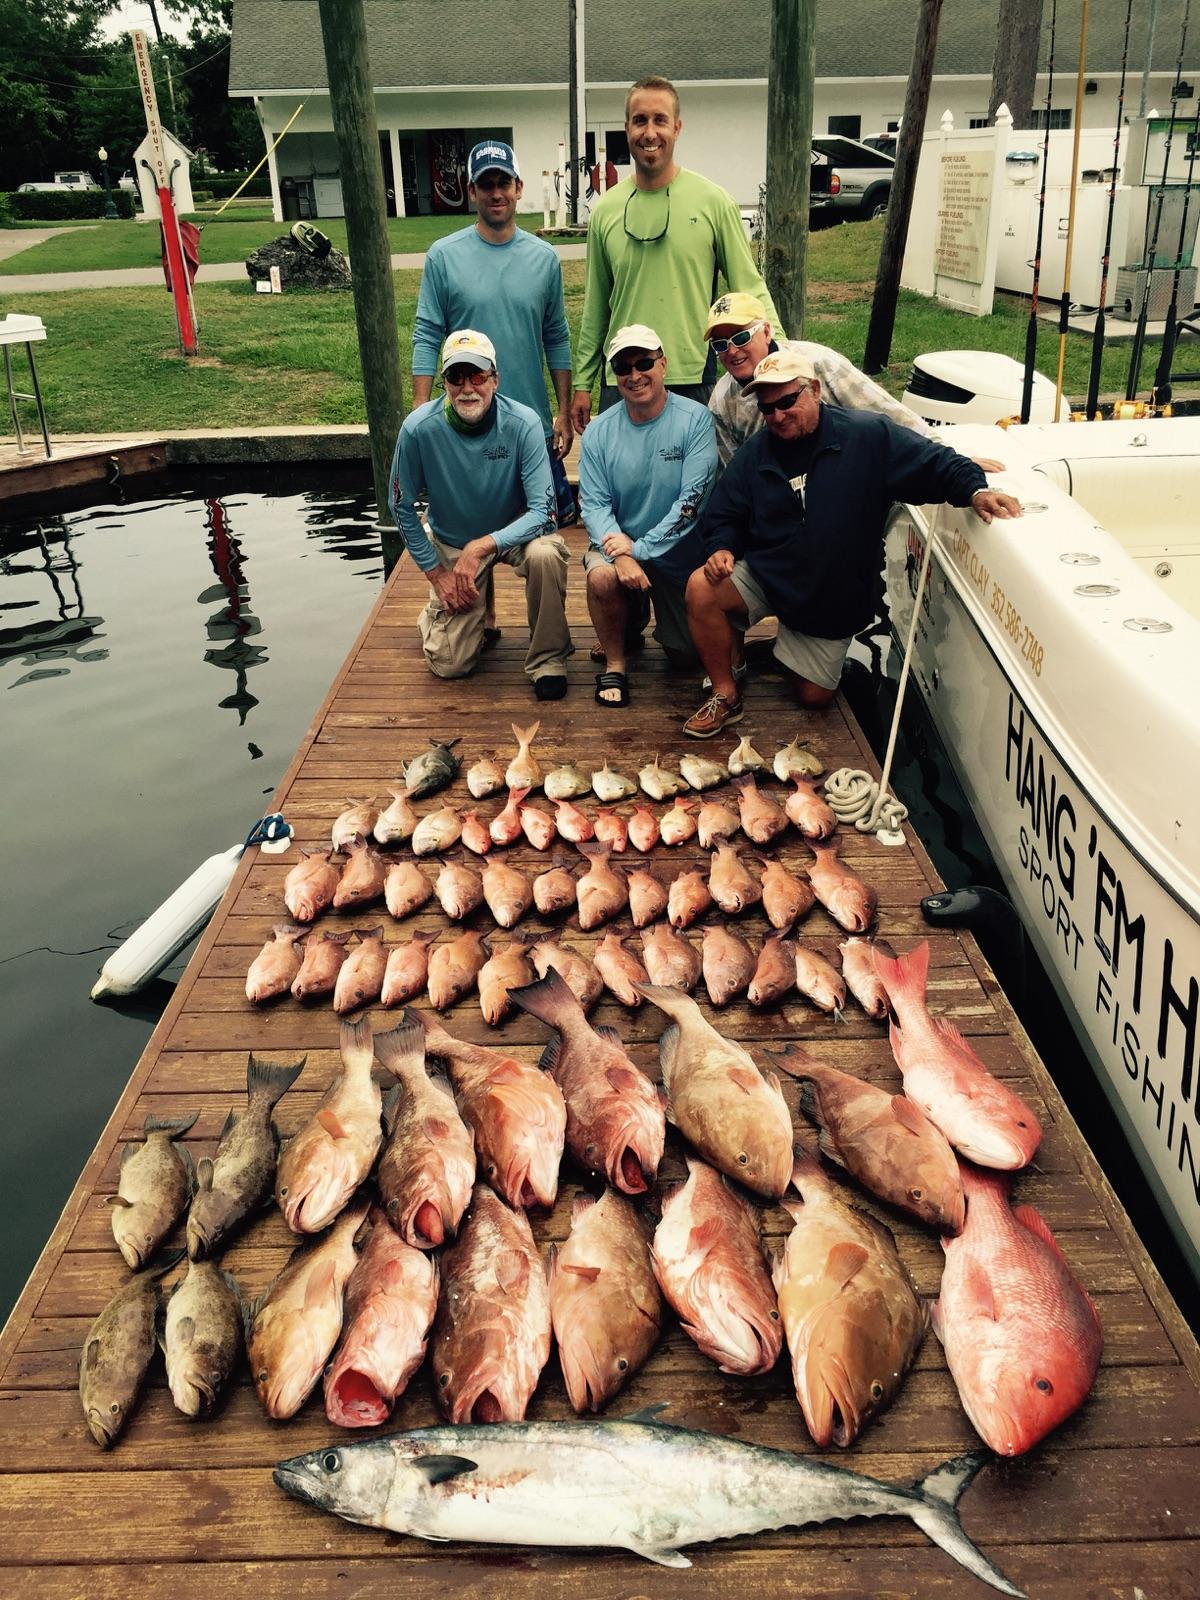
x=964 y=200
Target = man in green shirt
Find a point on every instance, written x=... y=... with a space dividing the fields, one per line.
x=658 y=246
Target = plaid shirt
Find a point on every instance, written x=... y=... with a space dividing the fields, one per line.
x=737 y=416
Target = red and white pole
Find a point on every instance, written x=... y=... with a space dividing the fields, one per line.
x=181 y=288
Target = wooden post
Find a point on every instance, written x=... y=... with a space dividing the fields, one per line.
x=1015 y=63
x=573 y=184
x=344 y=29
x=789 y=154
x=895 y=225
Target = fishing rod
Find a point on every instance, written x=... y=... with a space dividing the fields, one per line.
x=1064 y=310
x=1031 y=330
x=1166 y=359
x=1093 y=390
x=1139 y=338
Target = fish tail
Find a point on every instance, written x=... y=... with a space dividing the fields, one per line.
x=402 y=1049
x=526 y=736
x=793 y=1060
x=904 y=977
x=267 y=1082
x=355 y=1041
x=551 y=1000
x=175 y=1126
x=674 y=1002
x=933 y=1507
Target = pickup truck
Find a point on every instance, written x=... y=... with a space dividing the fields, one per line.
x=62 y=180
x=850 y=181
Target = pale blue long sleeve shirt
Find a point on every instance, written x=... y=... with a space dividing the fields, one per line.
x=494 y=482
x=649 y=481
x=513 y=292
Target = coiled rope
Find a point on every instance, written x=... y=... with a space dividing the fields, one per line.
x=853 y=796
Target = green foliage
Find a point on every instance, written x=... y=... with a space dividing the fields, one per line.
x=43 y=44
x=63 y=205
x=223 y=184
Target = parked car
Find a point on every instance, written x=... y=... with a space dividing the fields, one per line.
x=62 y=180
x=850 y=181
x=886 y=142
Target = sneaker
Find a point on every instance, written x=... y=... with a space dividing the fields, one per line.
x=740 y=674
x=716 y=713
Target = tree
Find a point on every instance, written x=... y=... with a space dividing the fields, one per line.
x=109 y=107
x=46 y=47
x=228 y=131
x=1015 y=64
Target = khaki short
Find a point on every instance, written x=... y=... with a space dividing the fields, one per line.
x=819 y=660
x=670 y=609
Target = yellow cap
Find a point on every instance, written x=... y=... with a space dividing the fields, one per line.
x=781 y=366
x=735 y=310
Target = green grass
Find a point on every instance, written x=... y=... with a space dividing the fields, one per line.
x=111 y=362
x=112 y=245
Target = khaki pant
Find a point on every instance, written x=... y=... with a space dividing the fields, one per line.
x=453 y=642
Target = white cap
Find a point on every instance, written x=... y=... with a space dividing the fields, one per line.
x=635 y=337
x=470 y=348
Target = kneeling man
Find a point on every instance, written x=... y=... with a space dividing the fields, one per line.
x=794 y=530
x=645 y=467
x=480 y=459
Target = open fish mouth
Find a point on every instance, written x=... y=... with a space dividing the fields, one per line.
x=627 y=1173
x=827 y=1399
x=193 y=1397
x=99 y=1430
x=428 y=1224
x=357 y=1400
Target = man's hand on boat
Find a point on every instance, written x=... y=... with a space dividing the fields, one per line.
x=989 y=503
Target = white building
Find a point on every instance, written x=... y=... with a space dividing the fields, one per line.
x=451 y=72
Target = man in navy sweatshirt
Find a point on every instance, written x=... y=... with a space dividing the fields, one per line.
x=480 y=459
x=793 y=530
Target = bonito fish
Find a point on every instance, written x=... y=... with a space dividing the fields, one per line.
x=310 y=885
x=516 y=1112
x=359 y=817
x=241 y=1176
x=620 y=969
x=849 y=901
x=1022 y=1338
x=405 y=888
x=982 y=1118
x=391 y=1297
x=605 y=1305
x=296 y=1324
x=319 y=970
x=523 y=770
x=454 y=968
x=331 y=1155
x=615 y=1120
x=360 y=977
x=719 y=1100
x=432 y=770
x=601 y=893
x=882 y=1139
x=155 y=1185
x=853 y=1320
x=203 y=1338
x=396 y=824
x=637 y=1484
x=492 y=1334
x=274 y=969
x=708 y=1260
x=406 y=971
x=116 y=1353
x=427 y=1168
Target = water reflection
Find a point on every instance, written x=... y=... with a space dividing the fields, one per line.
x=44 y=580
x=233 y=621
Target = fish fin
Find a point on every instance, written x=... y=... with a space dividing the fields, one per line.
x=330 y=1122
x=204 y=1174
x=746 y=1080
x=707 y=1234
x=90 y=1356
x=910 y=1115
x=505 y=1072
x=189 y=1167
x=976 y=1288
x=228 y=1125
x=118 y=1200
x=827 y=1147
x=550 y=999
x=660 y=1556
x=668 y=1041
x=1033 y=1222
x=512 y=1270
x=935 y=1318
x=185 y=1328
x=319 y=1286
x=951 y=1032
x=589 y=1273
x=549 y=1057
x=793 y=1060
x=401 y=1046
x=389 y=1102
x=904 y=977
x=128 y=1151
x=268 y=1081
x=436 y=1469
x=611 y=1034
x=435 y=1128
x=175 y=1126
x=844 y=1260
x=649 y=1415
x=527 y=735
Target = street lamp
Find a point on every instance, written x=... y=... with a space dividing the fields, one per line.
x=110 y=209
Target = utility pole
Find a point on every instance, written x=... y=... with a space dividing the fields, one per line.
x=789 y=154
x=1015 y=63
x=344 y=30
x=573 y=108
x=895 y=224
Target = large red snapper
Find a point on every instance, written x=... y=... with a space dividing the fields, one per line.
x=516 y=1111
x=331 y=1155
x=427 y=1168
x=982 y=1118
x=491 y=1338
x=853 y=1320
x=1022 y=1337
x=708 y=1260
x=615 y=1119
x=391 y=1297
x=604 y=1301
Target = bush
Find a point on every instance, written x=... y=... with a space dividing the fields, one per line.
x=6 y=215
x=65 y=205
x=223 y=184
x=201 y=195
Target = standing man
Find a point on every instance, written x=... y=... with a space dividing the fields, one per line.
x=480 y=460
x=508 y=284
x=793 y=530
x=657 y=245
x=645 y=468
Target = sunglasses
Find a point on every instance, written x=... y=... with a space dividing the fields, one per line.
x=784 y=403
x=642 y=364
x=737 y=340
x=458 y=376
x=642 y=238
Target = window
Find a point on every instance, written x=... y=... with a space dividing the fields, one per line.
x=978 y=122
x=1058 y=119
x=848 y=127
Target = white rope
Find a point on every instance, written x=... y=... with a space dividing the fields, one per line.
x=853 y=795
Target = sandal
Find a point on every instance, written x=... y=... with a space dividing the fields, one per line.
x=612 y=680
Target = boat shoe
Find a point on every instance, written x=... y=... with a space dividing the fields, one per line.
x=716 y=713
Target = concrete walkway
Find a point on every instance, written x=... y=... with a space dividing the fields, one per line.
x=152 y=277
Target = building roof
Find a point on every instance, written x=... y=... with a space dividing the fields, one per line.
x=277 y=43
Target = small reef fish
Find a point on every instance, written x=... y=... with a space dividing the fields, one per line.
x=309 y=886
x=538 y=826
x=485 y=777
x=600 y=893
x=745 y=758
x=715 y=821
x=523 y=770
x=701 y=773
x=459 y=890
x=508 y=892
x=727 y=962
x=405 y=888
x=503 y=971
x=360 y=977
x=454 y=968
x=647 y=897
x=476 y=836
x=567 y=782
x=849 y=901
x=671 y=960
x=762 y=817
x=406 y=971
x=273 y=970
x=554 y=891
x=319 y=970
x=584 y=982
x=679 y=824
x=396 y=824
x=731 y=883
x=203 y=1337
x=427 y=1168
x=862 y=980
x=573 y=824
x=432 y=770
x=687 y=899
x=620 y=969
x=156 y=1182
x=437 y=831
x=359 y=817
x=785 y=898
x=819 y=980
x=610 y=829
x=362 y=877
x=505 y=826
x=775 y=972
x=659 y=782
x=331 y=1155
x=796 y=760
x=806 y=809
x=611 y=786
x=643 y=829
x=117 y=1350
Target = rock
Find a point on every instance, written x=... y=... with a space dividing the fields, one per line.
x=297 y=268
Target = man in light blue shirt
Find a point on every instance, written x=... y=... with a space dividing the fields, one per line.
x=508 y=284
x=480 y=460
x=645 y=468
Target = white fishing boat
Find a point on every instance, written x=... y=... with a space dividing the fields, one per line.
x=1059 y=656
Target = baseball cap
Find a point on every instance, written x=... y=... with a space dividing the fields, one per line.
x=735 y=310
x=637 y=336
x=471 y=348
x=492 y=155
x=781 y=366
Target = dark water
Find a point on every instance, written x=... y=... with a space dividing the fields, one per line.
x=160 y=660
x=940 y=813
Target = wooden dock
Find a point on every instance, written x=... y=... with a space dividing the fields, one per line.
x=1106 y=1507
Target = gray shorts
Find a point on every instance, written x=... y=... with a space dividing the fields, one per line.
x=819 y=660
x=670 y=609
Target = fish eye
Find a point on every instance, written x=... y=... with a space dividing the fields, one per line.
x=444 y=1380
x=876 y=1390
x=774 y=1316
x=392 y=1207
x=1044 y=1385
x=330 y=1461
x=491 y=1171
x=262 y=1377
x=589 y=1149
x=283 y=1192
x=328 y=1368
x=115 y=1408
x=743 y=1159
x=1022 y=1124
x=622 y=1364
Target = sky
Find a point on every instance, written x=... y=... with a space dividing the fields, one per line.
x=136 y=14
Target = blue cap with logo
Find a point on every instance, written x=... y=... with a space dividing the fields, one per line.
x=492 y=155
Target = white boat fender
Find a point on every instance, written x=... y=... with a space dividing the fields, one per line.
x=181 y=916
x=853 y=796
